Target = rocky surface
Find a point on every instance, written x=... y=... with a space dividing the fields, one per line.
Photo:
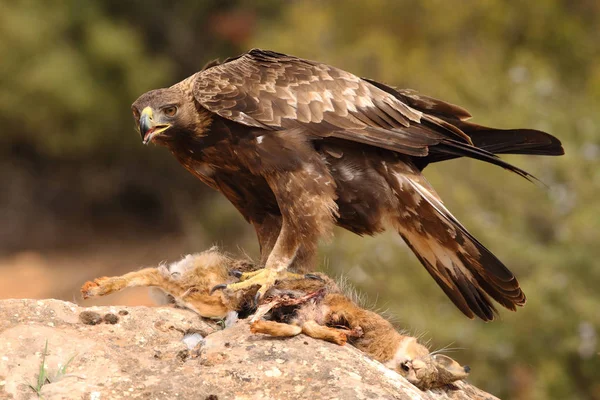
x=139 y=352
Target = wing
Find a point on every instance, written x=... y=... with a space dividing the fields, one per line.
x=274 y=91
x=468 y=273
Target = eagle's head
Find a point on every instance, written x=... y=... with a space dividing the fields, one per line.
x=162 y=115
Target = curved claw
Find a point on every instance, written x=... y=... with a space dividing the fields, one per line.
x=236 y=273
x=221 y=286
x=257 y=298
x=314 y=276
x=264 y=278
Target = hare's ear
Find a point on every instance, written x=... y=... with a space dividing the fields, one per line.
x=449 y=369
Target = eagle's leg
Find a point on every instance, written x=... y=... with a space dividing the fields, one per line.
x=276 y=267
x=248 y=275
x=267 y=231
x=306 y=200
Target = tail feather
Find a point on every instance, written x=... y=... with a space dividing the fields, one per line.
x=496 y=141
x=512 y=141
x=456 y=149
x=470 y=275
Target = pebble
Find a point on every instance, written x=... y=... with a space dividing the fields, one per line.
x=273 y=373
x=90 y=317
x=111 y=318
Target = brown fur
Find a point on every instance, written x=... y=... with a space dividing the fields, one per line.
x=188 y=282
x=314 y=306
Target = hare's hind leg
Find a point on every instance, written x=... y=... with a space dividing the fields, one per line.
x=277 y=329
x=309 y=328
x=313 y=329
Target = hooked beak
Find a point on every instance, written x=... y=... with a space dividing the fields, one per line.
x=148 y=129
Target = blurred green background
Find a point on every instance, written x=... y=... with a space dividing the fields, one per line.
x=81 y=196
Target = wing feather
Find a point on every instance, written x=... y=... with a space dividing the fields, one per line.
x=468 y=273
x=496 y=141
x=274 y=91
x=262 y=88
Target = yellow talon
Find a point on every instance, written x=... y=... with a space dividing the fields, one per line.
x=265 y=278
x=247 y=275
x=280 y=275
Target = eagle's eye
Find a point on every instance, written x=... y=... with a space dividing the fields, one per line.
x=170 y=111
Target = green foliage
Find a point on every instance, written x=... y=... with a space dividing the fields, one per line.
x=44 y=377
x=68 y=76
x=69 y=73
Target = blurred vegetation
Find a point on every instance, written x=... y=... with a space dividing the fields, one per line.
x=73 y=170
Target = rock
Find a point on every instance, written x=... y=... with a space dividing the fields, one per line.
x=139 y=352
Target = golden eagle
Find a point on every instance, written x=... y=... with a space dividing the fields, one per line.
x=298 y=146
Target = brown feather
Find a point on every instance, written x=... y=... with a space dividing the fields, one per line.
x=466 y=271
